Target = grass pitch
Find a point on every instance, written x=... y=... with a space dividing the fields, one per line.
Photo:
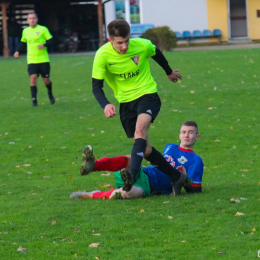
x=41 y=155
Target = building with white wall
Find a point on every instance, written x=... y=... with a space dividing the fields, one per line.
x=235 y=18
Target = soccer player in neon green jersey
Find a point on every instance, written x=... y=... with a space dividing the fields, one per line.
x=124 y=64
x=37 y=38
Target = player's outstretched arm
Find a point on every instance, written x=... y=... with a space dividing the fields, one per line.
x=21 y=47
x=97 y=89
x=172 y=75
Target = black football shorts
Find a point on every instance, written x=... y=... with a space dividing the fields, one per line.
x=42 y=69
x=149 y=104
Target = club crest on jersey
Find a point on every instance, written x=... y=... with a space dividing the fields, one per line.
x=135 y=60
x=38 y=33
x=182 y=160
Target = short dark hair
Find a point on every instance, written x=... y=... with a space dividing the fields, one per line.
x=118 y=28
x=191 y=123
x=33 y=13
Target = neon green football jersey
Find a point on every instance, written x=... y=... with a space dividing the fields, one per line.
x=127 y=74
x=34 y=37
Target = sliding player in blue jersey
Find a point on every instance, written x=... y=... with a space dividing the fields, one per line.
x=150 y=180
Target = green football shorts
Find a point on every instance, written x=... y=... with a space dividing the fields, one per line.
x=142 y=181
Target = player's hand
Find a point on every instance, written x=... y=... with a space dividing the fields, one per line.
x=16 y=54
x=174 y=76
x=40 y=47
x=181 y=169
x=110 y=110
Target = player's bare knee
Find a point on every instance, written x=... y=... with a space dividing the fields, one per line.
x=46 y=81
x=148 y=151
x=140 y=132
x=33 y=80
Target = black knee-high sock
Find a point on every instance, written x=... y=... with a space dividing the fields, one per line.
x=137 y=155
x=49 y=87
x=34 y=93
x=159 y=162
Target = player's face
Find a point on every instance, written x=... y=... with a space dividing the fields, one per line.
x=188 y=136
x=32 y=20
x=119 y=44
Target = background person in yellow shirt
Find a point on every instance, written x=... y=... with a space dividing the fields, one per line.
x=124 y=64
x=37 y=38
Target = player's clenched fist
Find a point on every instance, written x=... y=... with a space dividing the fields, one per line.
x=110 y=110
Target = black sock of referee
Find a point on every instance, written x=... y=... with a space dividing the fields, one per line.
x=159 y=162
x=49 y=87
x=34 y=94
x=137 y=156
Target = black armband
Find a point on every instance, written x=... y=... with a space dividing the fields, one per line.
x=161 y=60
x=48 y=42
x=21 y=47
x=97 y=89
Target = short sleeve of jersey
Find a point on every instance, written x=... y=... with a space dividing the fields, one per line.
x=150 y=48
x=99 y=67
x=195 y=172
x=47 y=34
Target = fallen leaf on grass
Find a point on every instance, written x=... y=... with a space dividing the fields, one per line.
x=26 y=165
x=77 y=230
x=2 y=185
x=71 y=178
x=94 y=245
x=235 y=200
x=183 y=241
x=107 y=185
x=253 y=229
x=97 y=234
x=102 y=132
x=105 y=174
x=21 y=249
x=166 y=202
x=244 y=170
x=54 y=222
x=141 y=211
x=46 y=177
x=96 y=257
x=239 y=214
x=221 y=253
x=170 y=217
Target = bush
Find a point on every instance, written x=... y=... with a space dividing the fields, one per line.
x=162 y=37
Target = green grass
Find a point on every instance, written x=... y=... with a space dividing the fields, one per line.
x=219 y=90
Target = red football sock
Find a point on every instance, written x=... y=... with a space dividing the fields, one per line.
x=110 y=164
x=102 y=194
